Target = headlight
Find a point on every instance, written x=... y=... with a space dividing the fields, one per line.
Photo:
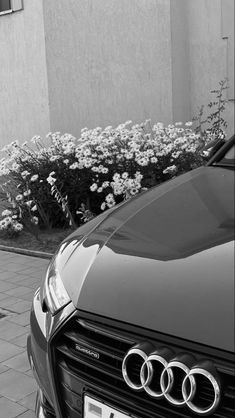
x=54 y=294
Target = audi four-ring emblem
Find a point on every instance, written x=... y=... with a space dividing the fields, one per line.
x=178 y=379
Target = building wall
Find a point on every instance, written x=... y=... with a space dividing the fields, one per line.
x=24 y=108
x=67 y=64
x=113 y=60
x=108 y=61
x=181 y=100
x=211 y=51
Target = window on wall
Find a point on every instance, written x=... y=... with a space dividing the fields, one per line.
x=9 y=6
x=5 y=6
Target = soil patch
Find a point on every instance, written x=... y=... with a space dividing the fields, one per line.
x=49 y=240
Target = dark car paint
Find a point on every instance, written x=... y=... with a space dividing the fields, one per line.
x=43 y=326
x=218 y=156
x=99 y=251
x=164 y=261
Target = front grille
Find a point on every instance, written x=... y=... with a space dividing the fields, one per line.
x=78 y=370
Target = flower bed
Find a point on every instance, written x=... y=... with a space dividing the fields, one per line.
x=48 y=242
x=64 y=181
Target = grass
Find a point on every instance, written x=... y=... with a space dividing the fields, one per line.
x=48 y=240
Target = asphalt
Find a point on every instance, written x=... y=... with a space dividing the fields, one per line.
x=20 y=276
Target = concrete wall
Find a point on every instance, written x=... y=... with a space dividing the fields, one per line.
x=113 y=60
x=66 y=64
x=180 y=61
x=108 y=61
x=211 y=51
x=24 y=109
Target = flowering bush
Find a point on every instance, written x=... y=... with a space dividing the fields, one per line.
x=21 y=215
x=68 y=180
x=9 y=224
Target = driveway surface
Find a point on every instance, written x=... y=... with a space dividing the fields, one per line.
x=20 y=276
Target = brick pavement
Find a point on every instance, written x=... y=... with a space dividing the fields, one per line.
x=20 y=276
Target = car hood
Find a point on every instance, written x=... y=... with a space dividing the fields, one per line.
x=164 y=261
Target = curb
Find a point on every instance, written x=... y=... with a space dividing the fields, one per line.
x=23 y=251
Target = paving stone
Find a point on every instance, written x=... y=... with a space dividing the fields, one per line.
x=9 y=277
x=19 y=363
x=9 y=330
x=9 y=409
x=20 y=306
x=6 y=254
x=21 y=319
x=4 y=263
x=31 y=271
x=15 y=385
x=3 y=368
x=14 y=267
x=8 y=350
x=4 y=286
x=18 y=291
x=20 y=276
x=30 y=282
x=29 y=296
x=9 y=301
x=4 y=260
x=43 y=265
x=3 y=296
x=20 y=341
x=28 y=414
x=29 y=373
x=2 y=268
x=29 y=401
x=26 y=260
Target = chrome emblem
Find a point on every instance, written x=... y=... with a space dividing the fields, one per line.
x=157 y=372
x=87 y=351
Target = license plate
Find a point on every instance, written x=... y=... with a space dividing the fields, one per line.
x=96 y=409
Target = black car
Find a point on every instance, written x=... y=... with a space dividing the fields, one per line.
x=135 y=317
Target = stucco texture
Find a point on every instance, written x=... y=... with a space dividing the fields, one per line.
x=209 y=56
x=67 y=64
x=108 y=61
x=24 y=109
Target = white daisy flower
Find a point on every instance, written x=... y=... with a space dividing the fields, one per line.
x=25 y=174
x=34 y=178
x=103 y=206
x=19 y=197
x=27 y=192
x=6 y=212
x=17 y=227
x=109 y=198
x=35 y=220
x=170 y=169
x=93 y=187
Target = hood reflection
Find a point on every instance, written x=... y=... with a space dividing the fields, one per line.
x=194 y=216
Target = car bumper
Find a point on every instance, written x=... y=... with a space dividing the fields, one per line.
x=43 y=409
x=42 y=327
